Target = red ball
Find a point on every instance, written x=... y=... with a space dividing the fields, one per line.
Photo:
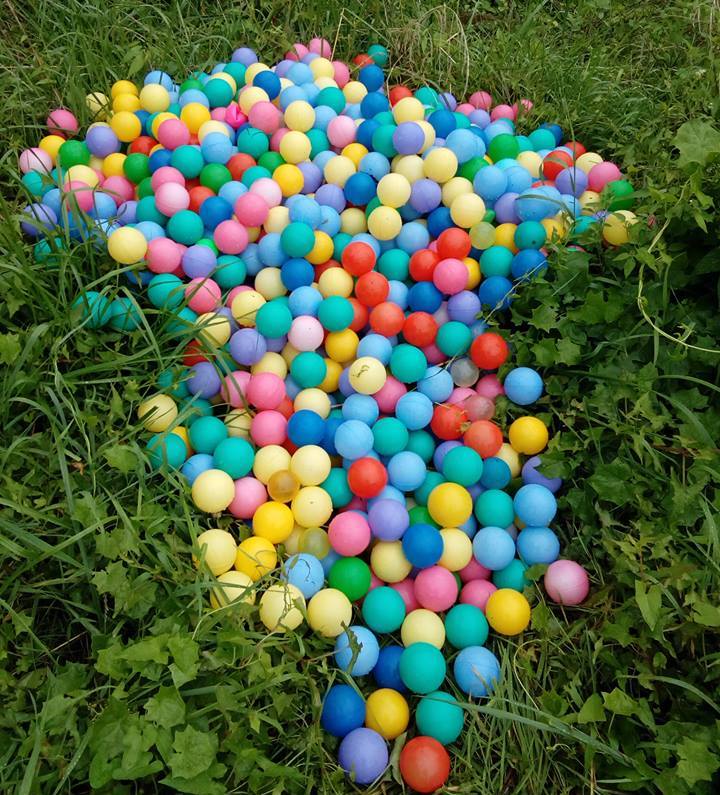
x=363 y=59
x=143 y=145
x=484 y=437
x=193 y=354
x=367 y=477
x=453 y=243
x=358 y=258
x=489 y=350
x=372 y=289
x=387 y=319
x=360 y=320
x=422 y=265
x=397 y=93
x=320 y=269
x=239 y=164
x=420 y=329
x=447 y=421
x=286 y=407
x=424 y=764
x=198 y=196
x=576 y=147
x=555 y=162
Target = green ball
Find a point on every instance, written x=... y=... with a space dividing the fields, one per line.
x=124 y=315
x=512 y=576
x=422 y=443
x=439 y=715
x=308 y=369
x=454 y=338
x=494 y=508
x=208 y=243
x=391 y=436
x=166 y=291
x=136 y=167
x=166 y=450
x=188 y=160
x=214 y=176
x=621 y=193
x=503 y=146
x=351 y=576
x=378 y=53
x=394 y=264
x=385 y=117
x=542 y=139
x=145 y=188
x=496 y=261
x=432 y=479
x=219 y=92
x=333 y=98
x=318 y=142
x=271 y=160
x=253 y=142
x=466 y=625
x=206 y=434
x=182 y=323
x=169 y=381
x=233 y=455
x=253 y=174
x=382 y=140
x=383 y=609
x=471 y=167
x=335 y=313
x=336 y=485
x=147 y=211
x=297 y=239
x=408 y=363
x=419 y=514
x=462 y=465
x=193 y=409
x=422 y=668
x=273 y=319
x=191 y=82
x=92 y=308
x=73 y=153
x=230 y=271
x=185 y=227
x=530 y=234
x=33 y=183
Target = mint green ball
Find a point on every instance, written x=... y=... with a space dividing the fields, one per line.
x=512 y=576
x=233 y=455
x=466 y=625
x=273 y=319
x=390 y=435
x=422 y=443
x=308 y=369
x=454 y=338
x=166 y=450
x=422 y=668
x=383 y=609
x=408 y=363
x=462 y=465
x=440 y=716
x=494 y=508
x=185 y=227
x=206 y=434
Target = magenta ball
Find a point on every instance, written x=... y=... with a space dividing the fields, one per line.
x=601 y=174
x=203 y=295
x=266 y=117
x=234 y=387
x=481 y=100
x=172 y=133
x=349 y=533
x=450 y=276
x=474 y=571
x=566 y=582
x=250 y=494
x=268 y=427
x=477 y=592
x=436 y=589
x=489 y=386
x=406 y=589
x=251 y=209
x=166 y=174
x=388 y=395
x=170 y=198
x=266 y=390
x=231 y=237
x=62 y=122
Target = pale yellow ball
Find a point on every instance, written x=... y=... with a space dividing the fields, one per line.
x=457 y=549
x=440 y=164
x=511 y=458
x=268 y=460
x=217 y=550
x=616 y=227
x=393 y=190
x=255 y=557
x=271 y=362
x=423 y=626
x=367 y=375
x=154 y=98
x=313 y=399
x=157 y=413
x=269 y=284
x=338 y=170
x=409 y=166
x=238 y=422
x=408 y=109
x=336 y=281
x=467 y=210
x=384 y=223
x=312 y=506
x=353 y=221
x=281 y=607
x=455 y=187
x=236 y=587
x=310 y=464
x=587 y=160
x=329 y=612
x=388 y=561
x=213 y=329
x=213 y=490
x=245 y=306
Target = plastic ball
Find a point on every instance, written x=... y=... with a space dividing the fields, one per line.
x=423 y=626
x=312 y=506
x=476 y=671
x=538 y=545
x=281 y=607
x=234 y=587
x=523 y=386
x=439 y=716
x=255 y=557
x=450 y=505
x=157 y=413
x=383 y=610
x=273 y=521
x=566 y=582
x=388 y=713
x=465 y=625
x=507 y=611
x=351 y=576
x=329 y=612
x=363 y=755
x=343 y=710
x=493 y=547
x=535 y=505
x=356 y=651
x=218 y=550
x=424 y=764
x=436 y=588
x=528 y=435
x=422 y=668
x=213 y=491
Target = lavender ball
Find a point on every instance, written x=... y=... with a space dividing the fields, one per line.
x=388 y=519
x=198 y=262
x=530 y=475
x=247 y=346
x=464 y=307
x=40 y=219
x=204 y=380
x=363 y=755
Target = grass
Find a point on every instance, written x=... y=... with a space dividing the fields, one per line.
x=114 y=678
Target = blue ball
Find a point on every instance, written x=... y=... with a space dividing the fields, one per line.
x=158 y=159
x=538 y=545
x=476 y=671
x=217 y=148
x=360 y=188
x=304 y=572
x=523 y=385
x=360 y=407
x=437 y=384
x=490 y=183
x=303 y=300
x=437 y=222
x=306 y=427
x=496 y=473
x=443 y=122
x=343 y=710
x=196 y=465
x=297 y=272
x=414 y=410
x=464 y=144
x=422 y=545
x=376 y=346
x=406 y=471
x=387 y=669
x=425 y=297
x=535 y=505
x=356 y=651
x=528 y=263
x=328 y=440
x=372 y=77
x=354 y=439
x=269 y=82
x=329 y=561
x=215 y=210
x=495 y=292
x=493 y=547
x=373 y=103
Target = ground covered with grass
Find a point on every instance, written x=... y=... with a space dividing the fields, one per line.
x=113 y=676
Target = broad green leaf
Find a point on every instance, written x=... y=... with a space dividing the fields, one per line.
x=706 y=614
x=194 y=752
x=698 y=142
x=592 y=710
x=618 y=702
x=697 y=761
x=166 y=708
x=649 y=601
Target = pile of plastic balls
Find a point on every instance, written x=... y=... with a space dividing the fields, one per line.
x=335 y=257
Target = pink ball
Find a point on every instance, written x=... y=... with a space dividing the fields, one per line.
x=217 y=114
x=306 y=333
x=342 y=73
x=450 y=276
x=296 y=52
x=234 y=387
x=433 y=354
x=235 y=292
x=81 y=193
x=489 y=386
x=269 y=190
x=477 y=592
x=170 y=198
x=120 y=188
x=163 y=255
x=172 y=133
x=566 y=582
x=406 y=589
x=601 y=174
x=465 y=108
x=479 y=407
x=231 y=237
x=265 y=116
x=474 y=571
x=436 y=589
x=251 y=209
x=460 y=394
x=250 y=494
x=203 y=295
x=375 y=581
x=481 y=99
x=502 y=112
x=265 y=390
x=234 y=116
x=389 y=393
x=276 y=137
x=166 y=174
x=268 y=427
x=526 y=105
x=35 y=159
x=321 y=47
x=349 y=533
x=62 y=122
x=341 y=131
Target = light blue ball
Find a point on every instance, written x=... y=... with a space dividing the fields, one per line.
x=436 y=384
x=464 y=145
x=304 y=301
x=523 y=385
x=196 y=465
x=414 y=410
x=406 y=471
x=360 y=644
x=477 y=671
x=490 y=183
x=329 y=560
x=535 y=505
x=412 y=237
x=304 y=572
x=375 y=346
x=493 y=547
x=360 y=407
x=538 y=545
x=353 y=440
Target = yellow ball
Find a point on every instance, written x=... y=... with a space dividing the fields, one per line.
x=531 y=162
x=269 y=284
x=283 y=486
x=194 y=115
x=277 y=219
x=313 y=399
x=384 y=223
x=289 y=352
x=338 y=170
x=312 y=507
x=511 y=458
x=225 y=77
x=299 y=115
x=341 y=346
x=126 y=126
x=314 y=541
x=321 y=67
x=440 y=164
x=393 y=190
x=268 y=460
x=322 y=251
x=505 y=236
x=249 y=96
x=408 y=109
x=555 y=228
x=423 y=626
x=482 y=235
x=81 y=173
x=336 y=281
x=182 y=432
x=387 y=713
x=310 y=464
x=207 y=127
x=113 y=165
x=474 y=275
x=295 y=147
x=217 y=551
x=213 y=329
x=127 y=245
x=430 y=134
x=332 y=377
x=123 y=87
x=355 y=152
x=274 y=521
x=238 y=422
x=245 y=306
x=388 y=561
x=409 y=166
x=616 y=228
x=255 y=557
x=367 y=375
x=97 y=103
x=528 y=435
x=213 y=490
x=289 y=178
x=329 y=612
x=253 y=70
x=507 y=611
x=450 y=505
x=271 y=362
x=125 y=102
x=281 y=607
x=467 y=210
x=354 y=91
x=292 y=542
x=157 y=413
x=235 y=587
x=353 y=221
x=51 y=144
x=590 y=202
x=457 y=549
x=587 y=160
x=457 y=186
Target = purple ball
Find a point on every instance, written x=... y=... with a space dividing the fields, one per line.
x=312 y=177
x=408 y=138
x=102 y=141
x=425 y=195
x=388 y=519
x=40 y=219
x=225 y=311
x=344 y=383
x=198 y=262
x=464 y=307
x=572 y=181
x=247 y=346
x=127 y=212
x=448 y=100
x=332 y=195
x=204 y=381
x=284 y=67
x=441 y=451
x=363 y=755
x=276 y=344
x=245 y=56
x=505 y=209
x=480 y=117
x=530 y=475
